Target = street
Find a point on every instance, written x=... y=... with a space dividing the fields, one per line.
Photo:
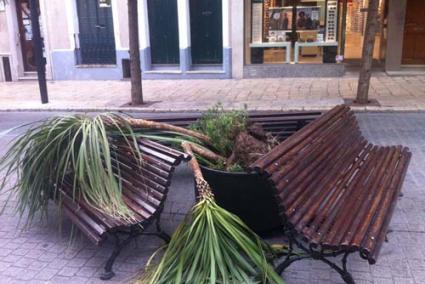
x=43 y=253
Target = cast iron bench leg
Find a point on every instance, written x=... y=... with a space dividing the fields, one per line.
x=292 y=257
x=108 y=274
x=119 y=245
x=160 y=233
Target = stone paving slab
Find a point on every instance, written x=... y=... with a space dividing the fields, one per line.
x=393 y=93
x=43 y=255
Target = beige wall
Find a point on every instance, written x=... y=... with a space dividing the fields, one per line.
x=57 y=24
x=396 y=18
x=237 y=38
x=123 y=23
x=4 y=35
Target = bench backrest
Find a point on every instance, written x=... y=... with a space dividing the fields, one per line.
x=316 y=141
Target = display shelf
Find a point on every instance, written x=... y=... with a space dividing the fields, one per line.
x=309 y=44
x=281 y=44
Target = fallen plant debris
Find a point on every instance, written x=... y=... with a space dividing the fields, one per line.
x=211 y=246
x=77 y=147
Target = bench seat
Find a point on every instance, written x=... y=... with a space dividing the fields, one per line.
x=144 y=189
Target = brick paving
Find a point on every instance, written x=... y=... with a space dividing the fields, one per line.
x=41 y=254
x=393 y=93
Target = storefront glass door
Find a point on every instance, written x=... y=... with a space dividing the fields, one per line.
x=25 y=34
x=355 y=24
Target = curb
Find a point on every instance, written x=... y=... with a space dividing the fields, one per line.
x=154 y=110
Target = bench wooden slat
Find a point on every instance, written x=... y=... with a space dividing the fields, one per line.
x=132 y=166
x=349 y=193
x=328 y=209
x=374 y=201
x=293 y=146
x=150 y=156
x=360 y=191
x=100 y=218
x=144 y=182
x=301 y=190
x=79 y=212
x=298 y=171
x=262 y=163
x=143 y=189
x=95 y=238
x=304 y=215
x=375 y=234
x=126 y=160
x=370 y=250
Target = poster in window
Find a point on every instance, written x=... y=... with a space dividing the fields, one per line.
x=280 y=19
x=280 y=24
x=257 y=22
x=308 y=18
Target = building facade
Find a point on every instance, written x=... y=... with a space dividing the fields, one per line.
x=88 y=39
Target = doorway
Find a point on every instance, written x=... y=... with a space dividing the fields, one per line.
x=414 y=33
x=206 y=31
x=96 y=32
x=355 y=25
x=25 y=35
x=163 y=31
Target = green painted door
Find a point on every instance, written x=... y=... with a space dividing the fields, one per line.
x=163 y=30
x=206 y=31
x=96 y=32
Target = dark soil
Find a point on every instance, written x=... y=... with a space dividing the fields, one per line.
x=247 y=150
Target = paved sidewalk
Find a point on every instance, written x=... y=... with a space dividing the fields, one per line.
x=42 y=255
x=393 y=93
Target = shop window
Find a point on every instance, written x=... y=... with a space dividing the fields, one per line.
x=301 y=31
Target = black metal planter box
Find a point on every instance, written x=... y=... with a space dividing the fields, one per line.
x=248 y=196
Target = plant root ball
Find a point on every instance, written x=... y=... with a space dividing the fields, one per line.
x=248 y=149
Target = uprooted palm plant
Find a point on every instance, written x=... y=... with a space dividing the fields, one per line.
x=77 y=146
x=232 y=136
x=211 y=246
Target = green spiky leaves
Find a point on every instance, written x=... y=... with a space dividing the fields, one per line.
x=212 y=246
x=78 y=146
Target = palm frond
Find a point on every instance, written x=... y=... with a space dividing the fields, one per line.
x=212 y=246
x=77 y=146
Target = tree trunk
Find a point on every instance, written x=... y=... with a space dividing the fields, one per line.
x=135 y=70
x=149 y=124
x=367 y=56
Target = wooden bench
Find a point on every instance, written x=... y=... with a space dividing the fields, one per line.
x=144 y=187
x=336 y=192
